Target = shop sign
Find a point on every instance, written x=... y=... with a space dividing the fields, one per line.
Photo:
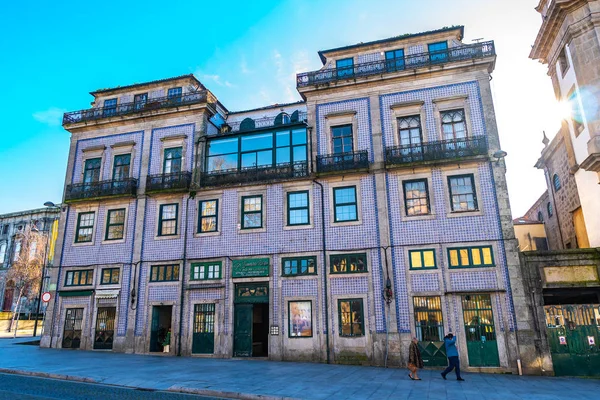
x=250 y=267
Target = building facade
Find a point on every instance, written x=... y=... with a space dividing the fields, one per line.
x=330 y=230
x=568 y=43
x=12 y=228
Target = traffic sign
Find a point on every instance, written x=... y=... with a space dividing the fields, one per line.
x=46 y=297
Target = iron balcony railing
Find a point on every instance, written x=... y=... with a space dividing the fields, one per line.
x=408 y=62
x=111 y=188
x=266 y=122
x=343 y=161
x=176 y=181
x=255 y=174
x=437 y=150
x=122 y=109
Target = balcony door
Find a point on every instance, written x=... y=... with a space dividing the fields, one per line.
x=91 y=170
x=410 y=136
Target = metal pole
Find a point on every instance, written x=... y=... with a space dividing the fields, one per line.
x=325 y=277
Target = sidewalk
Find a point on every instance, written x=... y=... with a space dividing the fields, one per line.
x=253 y=379
x=21 y=333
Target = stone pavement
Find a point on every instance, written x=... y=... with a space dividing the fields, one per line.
x=254 y=379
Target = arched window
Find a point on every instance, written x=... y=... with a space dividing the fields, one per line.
x=247 y=124
x=549 y=207
x=540 y=216
x=282 y=119
x=2 y=252
x=556 y=183
x=295 y=116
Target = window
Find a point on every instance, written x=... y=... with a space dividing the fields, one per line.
x=206 y=270
x=438 y=52
x=174 y=93
x=208 y=216
x=85 y=227
x=252 y=212
x=139 y=101
x=342 y=139
x=348 y=263
x=2 y=252
x=110 y=107
x=110 y=276
x=556 y=182
x=563 y=61
x=416 y=197
x=298 y=208
x=467 y=257
x=91 y=170
x=351 y=317
x=345 y=205
x=167 y=219
x=345 y=67
x=172 y=160
x=429 y=324
x=549 y=207
x=394 y=60
x=115 y=224
x=5 y=229
x=299 y=266
x=80 y=278
x=17 y=251
x=422 y=259
x=453 y=125
x=576 y=113
x=121 y=167
x=462 y=193
x=409 y=131
x=540 y=216
x=257 y=150
x=164 y=273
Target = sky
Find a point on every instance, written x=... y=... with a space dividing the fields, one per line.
x=52 y=54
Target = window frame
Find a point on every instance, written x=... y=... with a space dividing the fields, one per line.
x=453 y=123
x=290 y=208
x=556 y=183
x=395 y=63
x=333 y=138
x=347 y=70
x=474 y=189
x=165 y=159
x=177 y=89
x=404 y=182
x=173 y=267
x=204 y=276
x=110 y=282
x=335 y=204
x=550 y=209
x=243 y=212
x=399 y=130
x=109 y=225
x=78 y=227
x=362 y=319
x=126 y=167
x=346 y=256
x=89 y=275
x=423 y=266
x=299 y=259
x=202 y=217
x=110 y=109
x=161 y=220
x=86 y=169
x=470 y=257
x=419 y=327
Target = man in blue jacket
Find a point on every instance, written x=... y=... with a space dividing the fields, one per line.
x=452 y=353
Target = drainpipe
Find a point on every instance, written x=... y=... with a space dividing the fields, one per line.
x=324 y=268
x=388 y=295
x=183 y=273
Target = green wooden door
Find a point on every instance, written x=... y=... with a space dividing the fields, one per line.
x=429 y=330
x=154 y=330
x=242 y=330
x=480 y=331
x=203 y=341
x=573 y=337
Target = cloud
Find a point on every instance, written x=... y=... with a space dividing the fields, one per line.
x=51 y=117
x=244 y=66
x=286 y=70
x=214 y=78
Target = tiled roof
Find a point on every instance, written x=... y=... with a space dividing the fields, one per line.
x=95 y=92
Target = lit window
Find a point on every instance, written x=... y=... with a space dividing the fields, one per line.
x=429 y=324
x=422 y=259
x=467 y=257
x=351 y=317
x=164 y=273
x=110 y=276
x=80 y=277
x=348 y=263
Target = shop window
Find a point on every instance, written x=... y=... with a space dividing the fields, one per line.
x=351 y=317
x=348 y=263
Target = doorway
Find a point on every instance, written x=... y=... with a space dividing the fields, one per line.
x=161 y=326
x=72 y=331
x=105 y=328
x=251 y=320
x=203 y=338
x=480 y=331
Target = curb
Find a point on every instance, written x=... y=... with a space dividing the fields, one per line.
x=227 y=395
x=48 y=375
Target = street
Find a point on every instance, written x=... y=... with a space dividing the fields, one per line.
x=27 y=387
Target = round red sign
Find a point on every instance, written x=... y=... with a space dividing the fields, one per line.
x=46 y=297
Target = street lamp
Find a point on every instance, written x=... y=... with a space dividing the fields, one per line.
x=48 y=204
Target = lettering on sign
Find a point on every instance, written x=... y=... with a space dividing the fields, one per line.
x=250 y=267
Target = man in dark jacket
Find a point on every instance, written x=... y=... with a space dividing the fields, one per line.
x=452 y=353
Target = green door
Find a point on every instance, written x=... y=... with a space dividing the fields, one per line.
x=480 y=331
x=429 y=329
x=154 y=330
x=573 y=337
x=242 y=330
x=203 y=341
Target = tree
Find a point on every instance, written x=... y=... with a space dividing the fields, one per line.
x=27 y=267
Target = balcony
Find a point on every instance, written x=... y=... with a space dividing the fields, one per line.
x=437 y=151
x=406 y=63
x=358 y=160
x=102 y=189
x=125 y=109
x=256 y=174
x=174 y=182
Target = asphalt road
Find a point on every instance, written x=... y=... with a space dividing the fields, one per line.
x=18 y=387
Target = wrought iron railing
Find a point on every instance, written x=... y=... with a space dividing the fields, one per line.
x=437 y=150
x=122 y=109
x=408 y=62
x=255 y=174
x=343 y=161
x=266 y=122
x=168 y=182
x=109 y=188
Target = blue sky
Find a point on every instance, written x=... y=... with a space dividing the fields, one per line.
x=245 y=52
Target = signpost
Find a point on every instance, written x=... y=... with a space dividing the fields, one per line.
x=46 y=297
x=250 y=267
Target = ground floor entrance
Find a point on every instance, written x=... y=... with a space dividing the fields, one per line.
x=73 y=327
x=160 y=328
x=251 y=320
x=105 y=328
x=480 y=331
x=203 y=337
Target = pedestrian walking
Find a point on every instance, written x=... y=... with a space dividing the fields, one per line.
x=452 y=354
x=414 y=359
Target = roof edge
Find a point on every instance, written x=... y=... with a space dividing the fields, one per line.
x=107 y=90
x=268 y=107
